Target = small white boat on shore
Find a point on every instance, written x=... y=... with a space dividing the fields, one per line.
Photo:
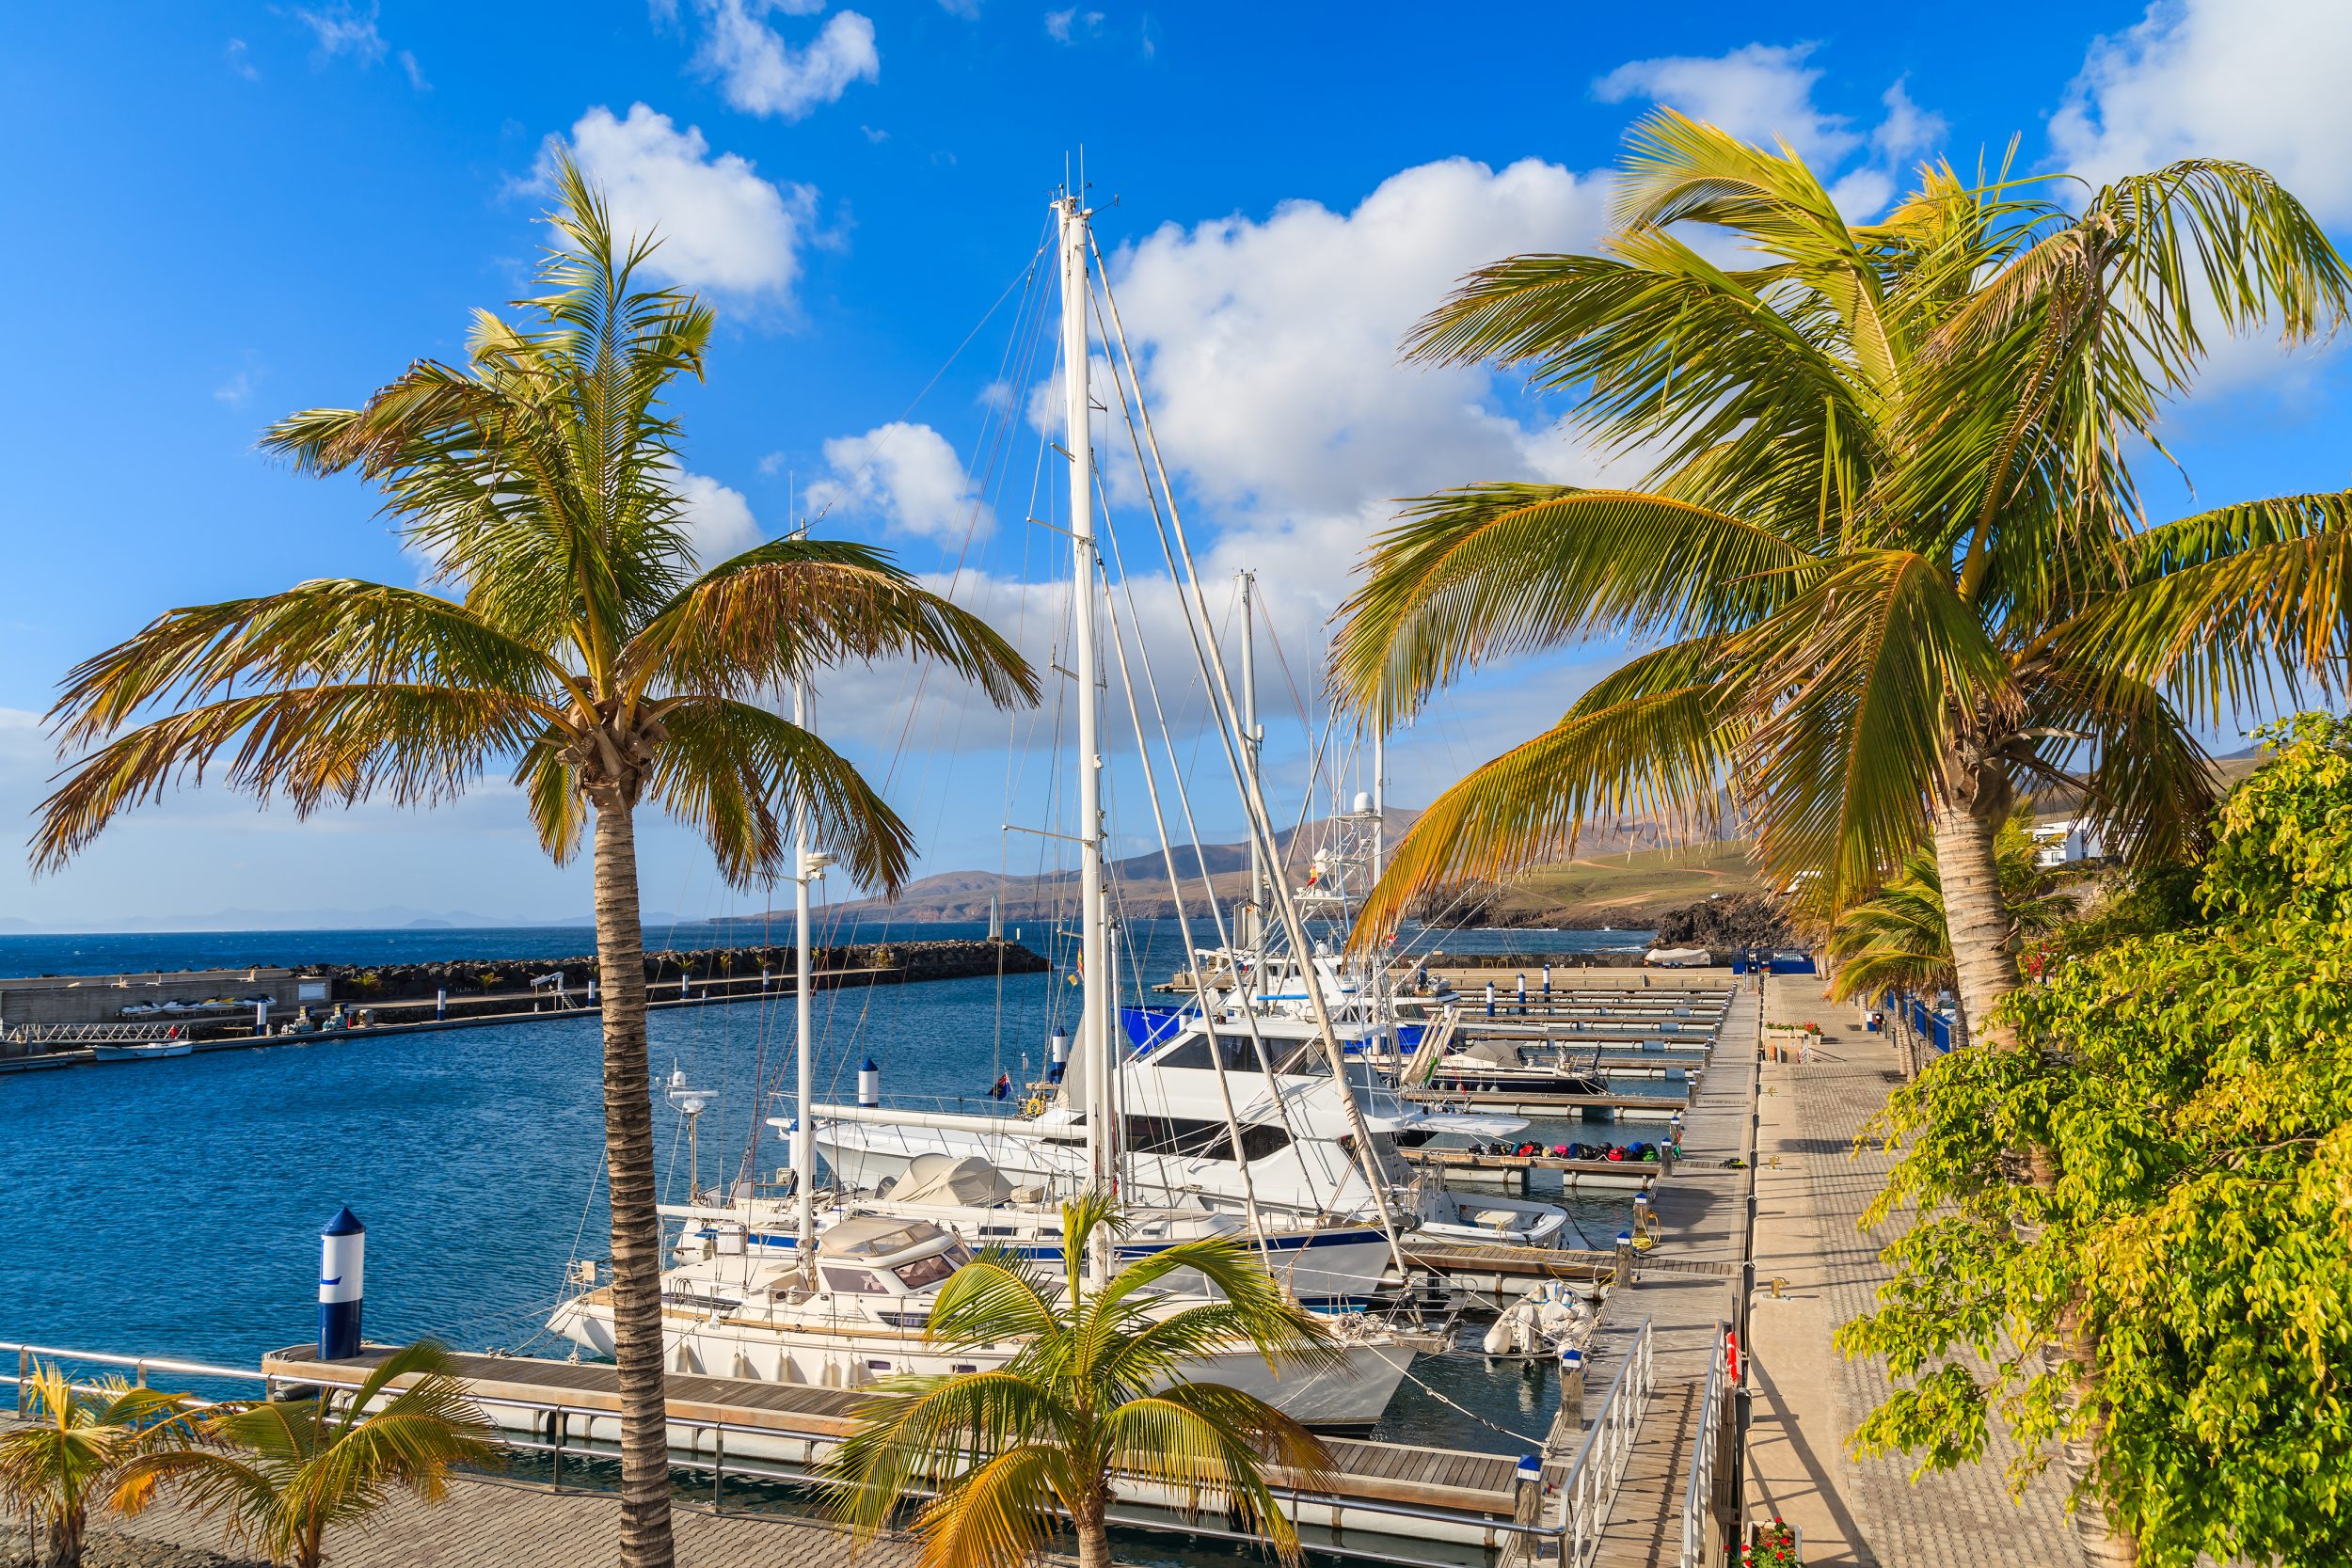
x=139 y=1051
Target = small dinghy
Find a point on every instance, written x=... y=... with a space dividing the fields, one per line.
x=140 y=1051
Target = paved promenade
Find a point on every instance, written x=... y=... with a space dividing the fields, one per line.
x=490 y=1524
x=1811 y=1191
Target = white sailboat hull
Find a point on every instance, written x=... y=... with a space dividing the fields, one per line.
x=1349 y=1398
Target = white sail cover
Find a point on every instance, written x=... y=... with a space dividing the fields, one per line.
x=949 y=1183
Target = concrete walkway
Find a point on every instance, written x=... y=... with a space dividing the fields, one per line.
x=1811 y=1190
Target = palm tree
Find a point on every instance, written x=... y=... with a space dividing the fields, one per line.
x=578 y=645
x=1889 y=565
x=1896 y=940
x=74 y=1448
x=1889 y=561
x=283 y=1472
x=1097 y=1393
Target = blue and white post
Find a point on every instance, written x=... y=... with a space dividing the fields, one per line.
x=1522 y=996
x=869 y=1084
x=441 y=1006
x=1547 y=983
x=342 y=1261
x=1490 y=999
x=1056 y=1056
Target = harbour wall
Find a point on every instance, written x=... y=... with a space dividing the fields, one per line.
x=476 y=990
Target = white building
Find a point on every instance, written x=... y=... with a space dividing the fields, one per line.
x=2066 y=840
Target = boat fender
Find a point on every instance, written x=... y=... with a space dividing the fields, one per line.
x=1498 y=1339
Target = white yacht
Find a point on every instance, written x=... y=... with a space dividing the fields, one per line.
x=1296 y=1156
x=756 y=1315
x=1327 y=1265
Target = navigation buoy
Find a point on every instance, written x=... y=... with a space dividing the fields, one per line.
x=869 y=1084
x=342 y=1259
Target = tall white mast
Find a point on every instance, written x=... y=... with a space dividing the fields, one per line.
x=1252 y=741
x=805 y=1132
x=1379 y=805
x=1094 y=1034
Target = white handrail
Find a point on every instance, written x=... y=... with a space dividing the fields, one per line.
x=1600 y=1463
x=1699 y=1492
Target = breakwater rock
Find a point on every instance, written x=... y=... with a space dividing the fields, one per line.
x=725 y=967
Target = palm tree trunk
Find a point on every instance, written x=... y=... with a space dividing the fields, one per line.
x=1094 y=1539
x=646 y=1539
x=63 y=1547
x=1976 y=920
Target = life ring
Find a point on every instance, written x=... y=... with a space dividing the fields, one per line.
x=1034 y=1106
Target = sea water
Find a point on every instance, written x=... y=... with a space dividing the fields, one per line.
x=173 y=1207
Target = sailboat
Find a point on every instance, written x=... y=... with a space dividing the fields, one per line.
x=1316 y=1139
x=854 y=1306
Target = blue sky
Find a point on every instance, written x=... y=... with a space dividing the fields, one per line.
x=223 y=213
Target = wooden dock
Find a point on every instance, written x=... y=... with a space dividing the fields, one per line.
x=783 y=1431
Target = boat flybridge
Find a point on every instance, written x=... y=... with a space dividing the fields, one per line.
x=1298 y=1157
x=745 y=1296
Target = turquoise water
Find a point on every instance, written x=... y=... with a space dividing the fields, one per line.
x=173 y=1207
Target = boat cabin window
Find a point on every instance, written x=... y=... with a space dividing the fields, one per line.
x=924 y=1270
x=1201 y=1140
x=1193 y=1052
x=853 y=1282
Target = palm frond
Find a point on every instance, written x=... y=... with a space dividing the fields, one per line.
x=1859 y=688
x=783 y=611
x=735 y=773
x=1656 y=739
x=1492 y=570
x=411 y=744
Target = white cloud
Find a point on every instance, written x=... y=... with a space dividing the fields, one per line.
x=760 y=73
x=2262 y=80
x=1761 y=91
x=719 y=521
x=1063 y=26
x=342 y=29
x=237 y=390
x=1270 y=346
x=721 y=226
x=416 y=73
x=2257 y=81
x=240 y=60
x=969 y=9
x=1907 y=129
x=906 y=473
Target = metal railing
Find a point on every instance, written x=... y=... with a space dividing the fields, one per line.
x=1600 y=1465
x=140 y=1365
x=552 y=1434
x=1698 y=1493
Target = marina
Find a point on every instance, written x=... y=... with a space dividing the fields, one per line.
x=1397 y=1501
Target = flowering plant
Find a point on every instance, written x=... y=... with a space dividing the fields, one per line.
x=1775 y=1546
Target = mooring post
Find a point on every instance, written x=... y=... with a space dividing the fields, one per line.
x=342 y=1260
x=441 y=1006
x=1625 y=1259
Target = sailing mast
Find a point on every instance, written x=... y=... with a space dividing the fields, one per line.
x=1252 y=745
x=804 y=1131
x=1094 y=991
